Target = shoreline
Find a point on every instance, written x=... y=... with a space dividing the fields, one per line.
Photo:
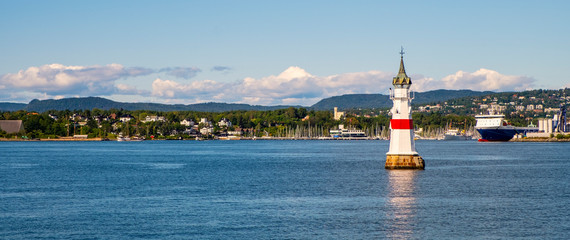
x=72 y=139
x=62 y=139
x=539 y=140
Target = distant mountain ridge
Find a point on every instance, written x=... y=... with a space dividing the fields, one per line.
x=351 y=101
x=7 y=106
x=348 y=101
x=106 y=104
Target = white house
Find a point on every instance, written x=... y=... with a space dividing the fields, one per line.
x=205 y=122
x=125 y=118
x=497 y=108
x=154 y=118
x=187 y=122
x=224 y=123
x=206 y=130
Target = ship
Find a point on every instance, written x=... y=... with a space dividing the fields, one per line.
x=454 y=134
x=494 y=127
x=129 y=139
x=343 y=133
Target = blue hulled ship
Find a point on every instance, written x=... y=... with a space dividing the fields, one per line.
x=494 y=127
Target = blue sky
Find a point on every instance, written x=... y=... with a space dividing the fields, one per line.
x=276 y=52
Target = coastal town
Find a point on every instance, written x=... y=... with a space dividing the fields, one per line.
x=431 y=121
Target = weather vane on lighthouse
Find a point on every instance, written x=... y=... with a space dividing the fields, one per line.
x=402 y=153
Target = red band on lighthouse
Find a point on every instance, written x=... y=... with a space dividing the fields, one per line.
x=402 y=124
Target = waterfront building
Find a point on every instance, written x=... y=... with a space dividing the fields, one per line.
x=206 y=130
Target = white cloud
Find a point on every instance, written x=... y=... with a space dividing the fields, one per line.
x=58 y=79
x=299 y=101
x=486 y=80
x=22 y=96
x=172 y=89
x=295 y=86
x=480 y=80
x=125 y=89
x=421 y=83
x=292 y=86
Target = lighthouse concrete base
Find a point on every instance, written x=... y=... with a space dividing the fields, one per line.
x=404 y=162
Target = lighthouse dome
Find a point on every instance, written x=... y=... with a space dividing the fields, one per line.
x=402 y=79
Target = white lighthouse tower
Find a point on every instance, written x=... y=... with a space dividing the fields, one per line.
x=402 y=153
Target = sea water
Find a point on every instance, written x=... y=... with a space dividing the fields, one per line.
x=282 y=190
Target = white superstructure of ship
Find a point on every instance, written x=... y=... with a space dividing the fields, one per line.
x=342 y=132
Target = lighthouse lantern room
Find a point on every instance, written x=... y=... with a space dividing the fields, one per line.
x=402 y=153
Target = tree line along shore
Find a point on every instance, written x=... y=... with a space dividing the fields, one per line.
x=289 y=123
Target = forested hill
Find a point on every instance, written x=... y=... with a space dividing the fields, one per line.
x=105 y=104
x=351 y=101
x=10 y=107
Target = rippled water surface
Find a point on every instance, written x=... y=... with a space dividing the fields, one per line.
x=282 y=190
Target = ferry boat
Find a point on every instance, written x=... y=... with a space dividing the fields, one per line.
x=123 y=139
x=128 y=139
x=494 y=127
x=454 y=134
x=347 y=133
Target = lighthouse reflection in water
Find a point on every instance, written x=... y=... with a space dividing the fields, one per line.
x=401 y=205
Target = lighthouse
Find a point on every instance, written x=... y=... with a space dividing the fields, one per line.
x=402 y=153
